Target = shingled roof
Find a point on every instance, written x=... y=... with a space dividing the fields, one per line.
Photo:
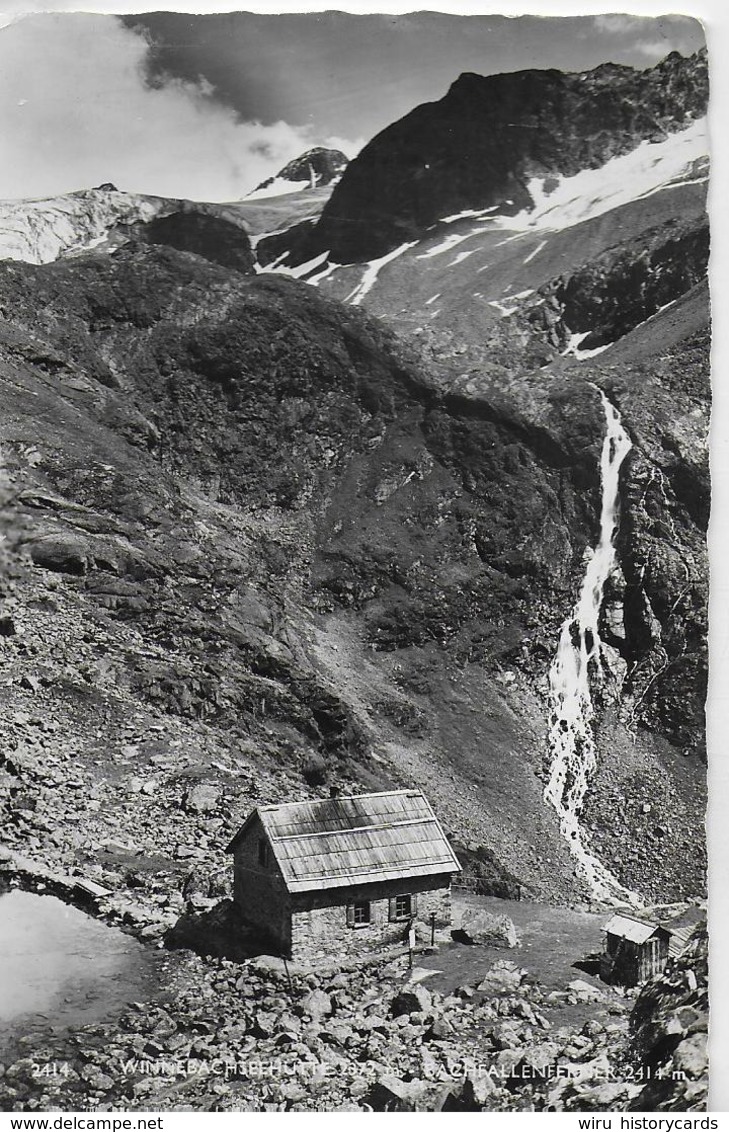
x=339 y=842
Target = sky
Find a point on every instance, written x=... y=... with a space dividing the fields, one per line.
x=207 y=106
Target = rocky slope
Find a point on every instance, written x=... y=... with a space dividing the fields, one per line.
x=290 y=531
x=245 y=1034
x=669 y=1033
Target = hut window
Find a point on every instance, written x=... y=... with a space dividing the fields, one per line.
x=263 y=852
x=358 y=913
x=402 y=907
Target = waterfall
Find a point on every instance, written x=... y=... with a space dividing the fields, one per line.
x=578 y=662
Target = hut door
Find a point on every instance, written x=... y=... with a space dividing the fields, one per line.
x=652 y=959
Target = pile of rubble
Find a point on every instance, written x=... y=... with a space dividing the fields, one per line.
x=265 y=1035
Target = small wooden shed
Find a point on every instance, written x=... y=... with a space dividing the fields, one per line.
x=338 y=876
x=635 y=950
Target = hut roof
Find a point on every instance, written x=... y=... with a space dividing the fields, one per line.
x=681 y=928
x=339 y=842
x=638 y=931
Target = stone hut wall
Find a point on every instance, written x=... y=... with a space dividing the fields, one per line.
x=259 y=890
x=320 y=927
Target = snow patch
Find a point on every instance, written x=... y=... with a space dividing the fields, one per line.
x=647 y=169
x=460 y=258
x=330 y=268
x=279 y=268
x=503 y=310
x=445 y=245
x=535 y=252
x=452 y=241
x=467 y=213
x=372 y=270
x=255 y=240
x=279 y=187
x=573 y=347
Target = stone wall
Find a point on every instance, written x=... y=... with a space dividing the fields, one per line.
x=259 y=891
x=319 y=927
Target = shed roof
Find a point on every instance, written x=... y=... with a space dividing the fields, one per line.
x=339 y=842
x=638 y=931
x=681 y=928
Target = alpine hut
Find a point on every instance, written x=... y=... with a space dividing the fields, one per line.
x=343 y=875
x=635 y=950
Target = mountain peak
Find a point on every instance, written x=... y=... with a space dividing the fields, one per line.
x=313 y=169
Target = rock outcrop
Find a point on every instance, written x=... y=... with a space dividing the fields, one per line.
x=210 y=237
x=669 y=1026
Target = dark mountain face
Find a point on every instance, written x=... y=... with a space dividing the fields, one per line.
x=480 y=145
x=211 y=237
x=317 y=167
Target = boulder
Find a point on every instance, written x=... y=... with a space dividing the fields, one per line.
x=691 y=1057
x=336 y=1033
x=410 y=1000
x=505 y=1036
x=477 y=1091
x=537 y=1062
x=585 y=992
x=62 y=552
x=270 y=966
x=503 y=978
x=264 y=1024
x=317 y=1004
x=392 y=1094
x=479 y=927
x=202 y=798
x=440 y=1030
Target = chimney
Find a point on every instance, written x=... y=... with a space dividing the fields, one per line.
x=334 y=791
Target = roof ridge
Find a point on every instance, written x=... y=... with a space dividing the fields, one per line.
x=344 y=798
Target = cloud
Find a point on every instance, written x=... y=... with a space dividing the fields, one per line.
x=350 y=147
x=654 y=49
x=75 y=110
x=652 y=37
x=620 y=24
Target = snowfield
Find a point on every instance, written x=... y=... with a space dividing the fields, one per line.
x=647 y=169
x=279 y=187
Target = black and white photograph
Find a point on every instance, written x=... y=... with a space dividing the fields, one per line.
x=355 y=404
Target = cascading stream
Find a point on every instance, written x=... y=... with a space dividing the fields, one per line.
x=579 y=661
